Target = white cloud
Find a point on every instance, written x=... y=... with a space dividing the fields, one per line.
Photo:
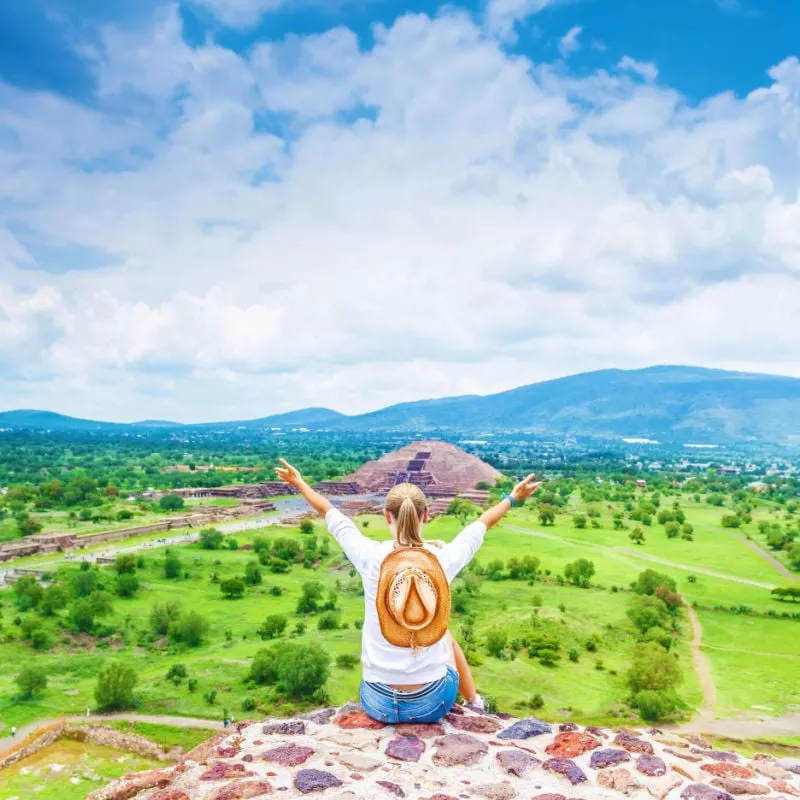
x=503 y=15
x=646 y=69
x=569 y=43
x=242 y=13
x=317 y=223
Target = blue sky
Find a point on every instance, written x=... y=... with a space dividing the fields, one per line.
x=228 y=208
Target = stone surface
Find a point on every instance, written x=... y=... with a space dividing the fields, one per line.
x=717 y=755
x=459 y=749
x=495 y=791
x=618 y=779
x=723 y=770
x=517 y=762
x=393 y=788
x=770 y=769
x=292 y=727
x=420 y=729
x=690 y=771
x=633 y=744
x=525 y=729
x=223 y=772
x=785 y=787
x=661 y=787
x=608 y=758
x=739 y=786
x=288 y=755
x=702 y=791
x=651 y=765
x=170 y=794
x=789 y=764
x=241 y=790
x=406 y=748
x=321 y=717
x=569 y=769
x=359 y=761
x=474 y=724
x=684 y=755
x=572 y=745
x=315 y=780
x=357 y=719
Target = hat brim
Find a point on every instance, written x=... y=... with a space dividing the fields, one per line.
x=393 y=631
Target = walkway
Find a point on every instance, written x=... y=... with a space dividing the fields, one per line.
x=782 y=568
x=157 y=719
x=703 y=669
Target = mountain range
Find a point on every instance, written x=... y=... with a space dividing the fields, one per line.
x=672 y=404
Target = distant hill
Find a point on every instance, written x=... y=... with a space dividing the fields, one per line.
x=672 y=404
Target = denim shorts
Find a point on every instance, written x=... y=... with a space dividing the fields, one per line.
x=428 y=704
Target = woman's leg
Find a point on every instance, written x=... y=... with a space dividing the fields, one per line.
x=466 y=683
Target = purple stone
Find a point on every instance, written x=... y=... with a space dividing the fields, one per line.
x=651 y=765
x=569 y=769
x=314 y=780
x=717 y=755
x=517 y=762
x=608 y=758
x=248 y=757
x=288 y=755
x=391 y=787
x=567 y=727
x=525 y=729
x=701 y=791
x=405 y=748
x=321 y=717
x=294 y=727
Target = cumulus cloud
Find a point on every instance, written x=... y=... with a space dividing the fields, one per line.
x=318 y=222
x=646 y=69
x=242 y=13
x=503 y=15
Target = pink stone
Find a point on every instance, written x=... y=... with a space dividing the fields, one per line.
x=421 y=730
x=391 y=787
x=288 y=755
x=474 y=724
x=169 y=794
x=618 y=779
x=632 y=744
x=459 y=750
x=222 y=772
x=405 y=748
x=720 y=769
x=241 y=790
x=227 y=752
x=515 y=762
x=784 y=786
x=571 y=744
x=738 y=786
x=358 y=719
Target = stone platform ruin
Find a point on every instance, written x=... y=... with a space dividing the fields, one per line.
x=341 y=753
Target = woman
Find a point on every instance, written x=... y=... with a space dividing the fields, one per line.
x=410 y=683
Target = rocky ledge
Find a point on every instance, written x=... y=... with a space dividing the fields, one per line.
x=341 y=753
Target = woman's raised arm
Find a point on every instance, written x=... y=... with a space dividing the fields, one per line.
x=521 y=492
x=291 y=476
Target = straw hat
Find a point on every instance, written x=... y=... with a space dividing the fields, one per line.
x=413 y=598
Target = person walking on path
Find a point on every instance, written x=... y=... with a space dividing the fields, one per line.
x=412 y=666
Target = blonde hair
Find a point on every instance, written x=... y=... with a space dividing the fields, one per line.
x=407 y=504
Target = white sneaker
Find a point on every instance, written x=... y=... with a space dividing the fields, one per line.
x=478 y=705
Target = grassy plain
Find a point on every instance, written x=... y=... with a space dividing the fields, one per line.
x=716 y=569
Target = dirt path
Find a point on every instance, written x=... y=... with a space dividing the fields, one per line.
x=640 y=555
x=787 y=573
x=703 y=669
x=787 y=725
x=178 y=722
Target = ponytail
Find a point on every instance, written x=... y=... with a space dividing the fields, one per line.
x=406 y=503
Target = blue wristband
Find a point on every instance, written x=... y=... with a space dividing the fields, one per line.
x=509 y=498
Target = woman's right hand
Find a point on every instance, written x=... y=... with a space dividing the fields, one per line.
x=525 y=488
x=289 y=474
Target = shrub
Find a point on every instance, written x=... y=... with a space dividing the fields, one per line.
x=731 y=521
x=231 y=544
x=210 y=697
x=579 y=572
x=192 y=684
x=306 y=526
x=672 y=529
x=287 y=549
x=211 y=539
x=252 y=574
x=311 y=599
x=31 y=680
x=536 y=702
x=300 y=627
x=346 y=661
x=273 y=626
x=329 y=621
x=162 y=614
x=170 y=502
x=496 y=643
x=115 y=684
x=653 y=668
x=40 y=639
x=574 y=655
x=53 y=599
x=81 y=616
x=125 y=564
x=232 y=588
x=653 y=705
x=647 y=612
x=299 y=670
x=636 y=536
x=249 y=704
x=261 y=545
x=279 y=565
x=649 y=580
x=189 y=629
x=176 y=673
x=548 y=658
x=275 y=591
x=172 y=564
x=27 y=593
x=579 y=520
x=127 y=585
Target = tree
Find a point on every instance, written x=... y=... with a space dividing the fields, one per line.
x=496 y=643
x=462 y=509
x=653 y=668
x=27 y=593
x=672 y=529
x=125 y=564
x=85 y=581
x=28 y=526
x=636 y=536
x=261 y=545
x=115 y=684
x=654 y=705
x=298 y=669
x=329 y=621
x=233 y=588
x=252 y=574
x=127 y=585
x=647 y=611
x=211 y=539
x=31 y=680
x=170 y=502
x=547 y=514
x=579 y=520
x=687 y=532
x=306 y=526
x=619 y=522
x=731 y=521
x=794 y=555
x=273 y=626
x=579 y=572
x=81 y=616
x=648 y=581
x=162 y=614
x=54 y=598
x=311 y=599
x=172 y=564
x=189 y=629
x=287 y=549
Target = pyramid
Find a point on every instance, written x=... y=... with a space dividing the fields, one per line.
x=438 y=468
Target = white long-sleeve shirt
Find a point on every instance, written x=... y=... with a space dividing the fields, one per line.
x=383 y=662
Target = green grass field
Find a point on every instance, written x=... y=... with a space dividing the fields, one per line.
x=585 y=691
